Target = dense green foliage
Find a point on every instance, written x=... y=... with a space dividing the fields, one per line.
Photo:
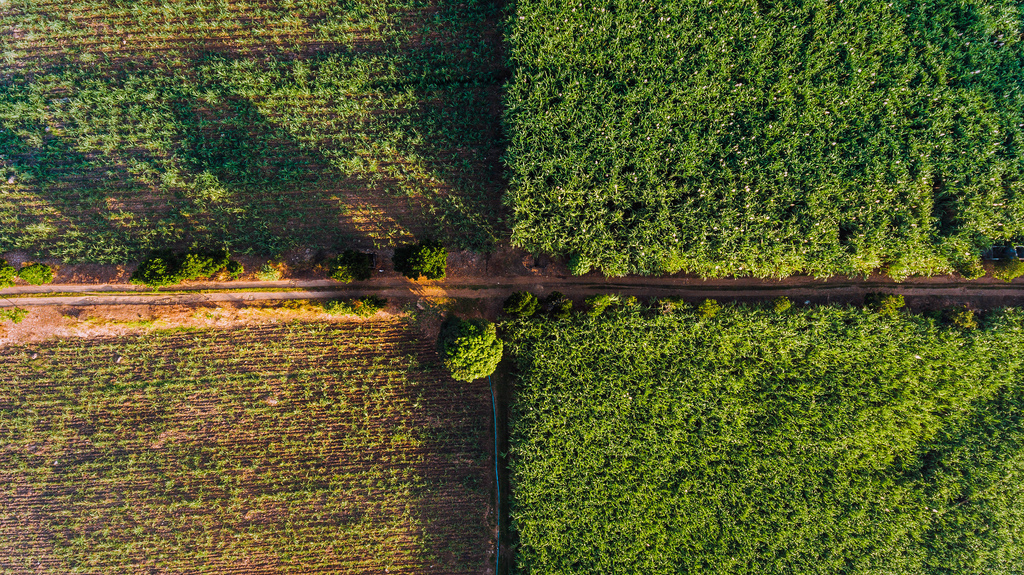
x=365 y=306
x=268 y=272
x=557 y=305
x=14 y=315
x=234 y=269
x=766 y=138
x=521 y=304
x=349 y=266
x=824 y=440
x=1008 y=270
x=167 y=268
x=36 y=274
x=257 y=126
x=470 y=349
x=884 y=304
x=781 y=304
x=294 y=448
x=7 y=274
x=427 y=259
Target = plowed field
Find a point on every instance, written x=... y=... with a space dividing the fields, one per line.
x=298 y=448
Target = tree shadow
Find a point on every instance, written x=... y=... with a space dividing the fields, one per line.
x=366 y=138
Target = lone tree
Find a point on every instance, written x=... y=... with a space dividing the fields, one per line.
x=470 y=349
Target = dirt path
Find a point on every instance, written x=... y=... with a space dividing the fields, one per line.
x=920 y=292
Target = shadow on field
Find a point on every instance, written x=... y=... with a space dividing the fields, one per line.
x=316 y=141
x=455 y=499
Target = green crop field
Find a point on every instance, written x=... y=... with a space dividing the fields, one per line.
x=823 y=440
x=766 y=138
x=295 y=448
x=256 y=126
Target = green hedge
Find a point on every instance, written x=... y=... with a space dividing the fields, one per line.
x=819 y=441
x=168 y=268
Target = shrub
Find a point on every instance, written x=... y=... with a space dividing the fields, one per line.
x=234 y=269
x=195 y=265
x=709 y=308
x=781 y=304
x=599 y=303
x=7 y=274
x=521 y=304
x=578 y=265
x=1008 y=270
x=884 y=304
x=362 y=307
x=671 y=305
x=470 y=349
x=36 y=274
x=428 y=259
x=14 y=315
x=157 y=270
x=962 y=317
x=269 y=273
x=557 y=305
x=969 y=269
x=349 y=266
x=164 y=267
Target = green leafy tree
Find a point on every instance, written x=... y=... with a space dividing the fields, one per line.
x=470 y=349
x=521 y=304
x=36 y=274
x=427 y=259
x=7 y=274
x=350 y=266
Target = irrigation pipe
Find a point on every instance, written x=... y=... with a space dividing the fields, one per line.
x=497 y=478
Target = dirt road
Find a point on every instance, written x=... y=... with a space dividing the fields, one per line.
x=919 y=292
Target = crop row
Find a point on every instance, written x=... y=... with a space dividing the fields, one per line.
x=374 y=124
x=767 y=440
x=749 y=138
x=283 y=449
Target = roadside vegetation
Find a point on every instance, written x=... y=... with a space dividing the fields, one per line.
x=256 y=127
x=298 y=447
x=772 y=439
x=766 y=139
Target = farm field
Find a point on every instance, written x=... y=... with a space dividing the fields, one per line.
x=819 y=440
x=739 y=137
x=259 y=127
x=288 y=448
